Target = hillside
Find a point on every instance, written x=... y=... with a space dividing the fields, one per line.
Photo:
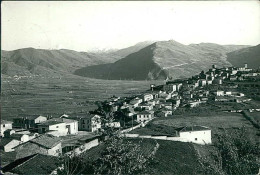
x=135 y=66
x=250 y=55
x=161 y=60
x=29 y=61
x=38 y=61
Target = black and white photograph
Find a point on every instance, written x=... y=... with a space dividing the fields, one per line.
x=130 y=87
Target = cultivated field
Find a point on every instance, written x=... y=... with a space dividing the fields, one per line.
x=58 y=95
x=218 y=123
x=219 y=120
x=255 y=115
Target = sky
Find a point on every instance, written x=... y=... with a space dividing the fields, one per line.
x=100 y=25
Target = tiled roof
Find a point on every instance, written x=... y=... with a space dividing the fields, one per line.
x=50 y=122
x=6 y=122
x=192 y=128
x=35 y=164
x=53 y=121
x=5 y=141
x=46 y=141
x=68 y=120
x=17 y=136
x=30 y=117
x=144 y=112
x=83 y=116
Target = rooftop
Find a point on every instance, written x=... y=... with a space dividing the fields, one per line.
x=144 y=112
x=6 y=122
x=5 y=141
x=192 y=128
x=51 y=122
x=31 y=117
x=34 y=164
x=46 y=141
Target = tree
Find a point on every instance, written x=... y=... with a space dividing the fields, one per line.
x=122 y=157
x=72 y=164
x=235 y=154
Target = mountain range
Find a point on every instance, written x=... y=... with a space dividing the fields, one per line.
x=30 y=61
x=161 y=60
x=144 y=61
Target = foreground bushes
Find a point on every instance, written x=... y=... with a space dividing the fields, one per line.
x=235 y=154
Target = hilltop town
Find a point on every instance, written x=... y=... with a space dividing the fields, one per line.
x=28 y=138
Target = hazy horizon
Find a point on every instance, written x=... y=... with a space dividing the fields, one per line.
x=115 y=49
x=93 y=26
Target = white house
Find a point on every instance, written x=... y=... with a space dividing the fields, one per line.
x=53 y=125
x=5 y=125
x=59 y=126
x=135 y=102
x=20 y=137
x=71 y=125
x=144 y=116
x=209 y=82
x=170 y=87
x=203 y=82
x=147 y=97
x=90 y=122
x=146 y=106
x=44 y=144
x=228 y=93
x=195 y=134
x=8 y=144
x=166 y=112
x=219 y=93
x=28 y=122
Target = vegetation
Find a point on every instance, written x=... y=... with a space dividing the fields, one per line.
x=118 y=155
x=248 y=116
x=175 y=158
x=122 y=157
x=235 y=154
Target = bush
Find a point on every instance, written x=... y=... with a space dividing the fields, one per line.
x=235 y=154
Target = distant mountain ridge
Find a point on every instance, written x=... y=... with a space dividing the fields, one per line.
x=30 y=61
x=161 y=60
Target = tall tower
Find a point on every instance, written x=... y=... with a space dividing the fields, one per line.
x=152 y=86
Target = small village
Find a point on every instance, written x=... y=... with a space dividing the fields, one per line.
x=35 y=137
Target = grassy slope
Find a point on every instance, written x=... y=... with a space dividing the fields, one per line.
x=250 y=55
x=175 y=158
x=170 y=158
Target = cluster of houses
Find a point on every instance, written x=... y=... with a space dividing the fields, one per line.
x=215 y=84
x=32 y=137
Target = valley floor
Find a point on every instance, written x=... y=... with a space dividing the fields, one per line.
x=58 y=95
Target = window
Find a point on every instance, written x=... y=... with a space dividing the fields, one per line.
x=57 y=126
x=83 y=126
x=196 y=139
x=83 y=121
x=3 y=125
